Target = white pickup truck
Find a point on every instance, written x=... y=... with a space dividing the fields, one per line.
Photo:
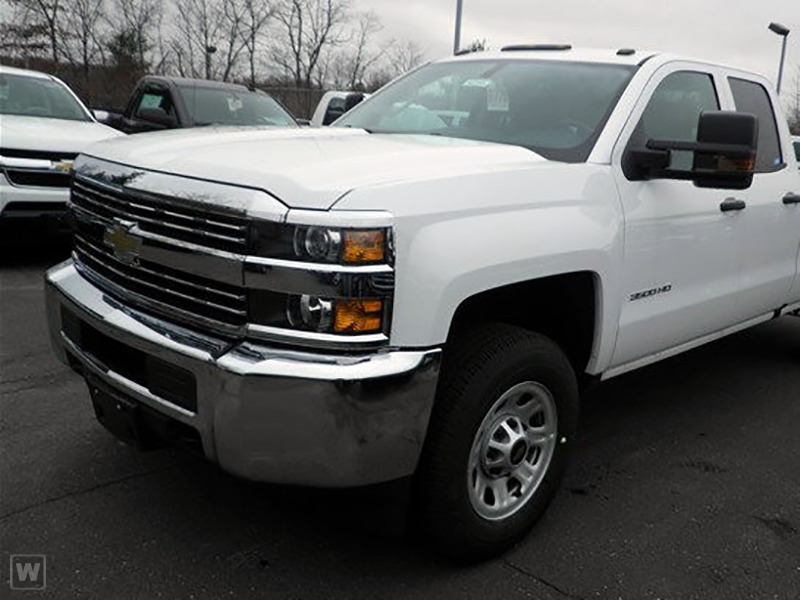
x=43 y=127
x=422 y=288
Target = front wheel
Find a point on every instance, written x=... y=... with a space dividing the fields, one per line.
x=498 y=441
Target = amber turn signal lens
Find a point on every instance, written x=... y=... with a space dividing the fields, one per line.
x=358 y=316
x=364 y=246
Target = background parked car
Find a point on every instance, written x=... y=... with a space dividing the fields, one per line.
x=44 y=127
x=175 y=102
x=333 y=105
x=796 y=144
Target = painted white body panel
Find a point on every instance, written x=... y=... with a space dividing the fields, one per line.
x=51 y=135
x=472 y=216
x=309 y=168
x=458 y=236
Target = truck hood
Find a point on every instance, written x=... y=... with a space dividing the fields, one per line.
x=51 y=135
x=308 y=168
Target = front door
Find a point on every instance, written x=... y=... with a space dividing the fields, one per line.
x=683 y=253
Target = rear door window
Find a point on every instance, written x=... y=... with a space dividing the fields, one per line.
x=751 y=97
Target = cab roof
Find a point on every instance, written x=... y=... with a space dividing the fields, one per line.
x=562 y=52
x=568 y=53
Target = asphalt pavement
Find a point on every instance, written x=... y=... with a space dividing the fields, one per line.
x=685 y=485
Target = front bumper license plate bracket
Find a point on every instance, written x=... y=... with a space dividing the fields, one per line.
x=121 y=416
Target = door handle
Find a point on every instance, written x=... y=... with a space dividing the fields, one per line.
x=732 y=204
x=791 y=198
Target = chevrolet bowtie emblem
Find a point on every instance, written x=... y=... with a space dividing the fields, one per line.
x=125 y=245
x=64 y=166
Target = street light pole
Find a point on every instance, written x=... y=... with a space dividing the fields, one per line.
x=784 y=33
x=457 y=40
x=209 y=51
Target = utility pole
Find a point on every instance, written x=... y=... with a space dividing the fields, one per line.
x=457 y=40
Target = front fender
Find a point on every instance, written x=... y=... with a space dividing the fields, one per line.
x=457 y=237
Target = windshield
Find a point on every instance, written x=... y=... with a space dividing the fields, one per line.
x=220 y=106
x=38 y=97
x=554 y=108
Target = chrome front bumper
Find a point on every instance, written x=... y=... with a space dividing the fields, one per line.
x=265 y=413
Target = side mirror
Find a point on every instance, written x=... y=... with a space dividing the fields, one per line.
x=724 y=153
x=101 y=116
x=158 y=116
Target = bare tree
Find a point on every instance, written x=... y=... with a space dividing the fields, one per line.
x=405 y=56
x=196 y=25
x=24 y=36
x=206 y=29
x=257 y=14
x=399 y=58
x=352 y=65
x=793 y=105
x=477 y=45
x=44 y=14
x=136 y=21
x=80 y=33
x=307 y=29
x=235 y=16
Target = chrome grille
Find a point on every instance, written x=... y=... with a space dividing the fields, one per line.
x=173 y=292
x=187 y=297
x=37 y=178
x=169 y=217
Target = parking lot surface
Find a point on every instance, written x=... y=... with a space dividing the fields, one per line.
x=685 y=484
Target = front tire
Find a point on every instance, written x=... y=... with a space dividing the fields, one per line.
x=498 y=442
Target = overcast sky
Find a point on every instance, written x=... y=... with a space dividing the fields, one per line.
x=733 y=32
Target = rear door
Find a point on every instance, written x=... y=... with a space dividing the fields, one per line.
x=772 y=220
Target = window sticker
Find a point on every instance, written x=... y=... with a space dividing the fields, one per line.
x=150 y=101
x=235 y=103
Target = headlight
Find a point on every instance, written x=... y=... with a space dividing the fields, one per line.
x=317 y=243
x=328 y=315
x=331 y=245
x=309 y=312
x=320 y=282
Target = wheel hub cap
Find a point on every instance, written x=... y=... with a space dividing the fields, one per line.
x=512 y=450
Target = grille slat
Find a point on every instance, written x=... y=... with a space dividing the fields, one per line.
x=113 y=211
x=103 y=255
x=170 y=212
x=37 y=178
x=173 y=293
x=165 y=217
x=37 y=154
x=126 y=279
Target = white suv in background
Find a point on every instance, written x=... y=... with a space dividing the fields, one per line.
x=43 y=127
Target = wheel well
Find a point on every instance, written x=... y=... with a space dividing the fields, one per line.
x=561 y=307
